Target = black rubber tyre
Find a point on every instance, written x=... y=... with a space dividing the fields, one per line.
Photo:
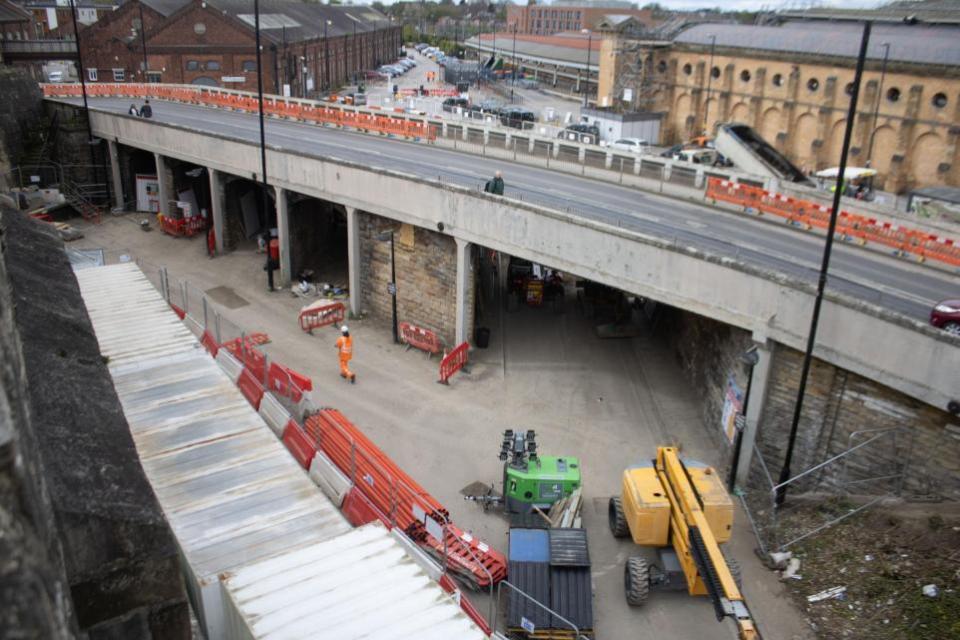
x=735 y=570
x=636 y=581
x=617 y=519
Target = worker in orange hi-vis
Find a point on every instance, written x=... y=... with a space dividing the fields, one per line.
x=345 y=349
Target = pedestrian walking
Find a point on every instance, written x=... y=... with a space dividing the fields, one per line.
x=495 y=186
x=146 y=111
x=134 y=111
x=345 y=351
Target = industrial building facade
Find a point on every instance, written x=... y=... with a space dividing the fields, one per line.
x=557 y=17
x=307 y=47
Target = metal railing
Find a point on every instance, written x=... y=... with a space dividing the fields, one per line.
x=552 y=615
x=828 y=484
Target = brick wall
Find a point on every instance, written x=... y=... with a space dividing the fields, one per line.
x=841 y=409
x=426 y=276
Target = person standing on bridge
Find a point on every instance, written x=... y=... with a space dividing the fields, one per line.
x=495 y=186
x=146 y=111
x=345 y=350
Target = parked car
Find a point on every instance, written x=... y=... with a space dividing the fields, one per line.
x=388 y=70
x=516 y=116
x=946 y=315
x=697 y=156
x=583 y=127
x=420 y=47
x=672 y=151
x=633 y=145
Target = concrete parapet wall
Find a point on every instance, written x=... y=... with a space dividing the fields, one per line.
x=903 y=354
x=91 y=503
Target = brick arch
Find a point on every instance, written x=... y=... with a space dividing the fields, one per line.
x=802 y=135
x=884 y=146
x=834 y=143
x=770 y=125
x=740 y=113
x=682 y=109
x=927 y=153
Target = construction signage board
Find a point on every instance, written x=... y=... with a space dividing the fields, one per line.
x=732 y=406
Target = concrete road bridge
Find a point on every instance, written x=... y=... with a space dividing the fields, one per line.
x=733 y=268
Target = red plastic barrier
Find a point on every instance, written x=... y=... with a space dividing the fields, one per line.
x=316 y=317
x=358 y=510
x=210 y=343
x=301 y=446
x=250 y=387
x=177 y=310
x=453 y=362
x=186 y=227
x=407 y=505
x=287 y=382
x=418 y=337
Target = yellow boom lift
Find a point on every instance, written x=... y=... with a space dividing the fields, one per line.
x=682 y=508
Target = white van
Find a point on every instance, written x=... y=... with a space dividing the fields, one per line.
x=55 y=76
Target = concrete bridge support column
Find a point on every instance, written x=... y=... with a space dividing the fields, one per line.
x=766 y=349
x=164 y=184
x=283 y=235
x=115 y=182
x=464 y=277
x=216 y=209
x=353 y=259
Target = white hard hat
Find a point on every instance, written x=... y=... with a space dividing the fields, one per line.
x=344 y=329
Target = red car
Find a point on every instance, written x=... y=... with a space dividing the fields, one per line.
x=946 y=315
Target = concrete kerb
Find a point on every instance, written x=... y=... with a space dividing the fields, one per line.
x=732 y=263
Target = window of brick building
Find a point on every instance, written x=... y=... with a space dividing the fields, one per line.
x=939 y=100
x=199 y=28
x=893 y=94
x=715 y=72
x=745 y=75
x=212 y=65
x=778 y=79
x=687 y=69
x=92 y=75
x=119 y=75
x=662 y=66
x=192 y=65
x=813 y=84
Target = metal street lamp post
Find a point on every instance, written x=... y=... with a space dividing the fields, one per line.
x=876 y=106
x=392 y=285
x=750 y=358
x=514 y=70
x=326 y=56
x=706 y=109
x=143 y=43
x=263 y=142
x=781 y=493
x=586 y=91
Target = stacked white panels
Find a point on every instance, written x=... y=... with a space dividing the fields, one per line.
x=361 y=585
x=231 y=492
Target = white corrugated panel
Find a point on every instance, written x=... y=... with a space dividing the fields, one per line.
x=273 y=413
x=329 y=478
x=230 y=365
x=229 y=489
x=358 y=585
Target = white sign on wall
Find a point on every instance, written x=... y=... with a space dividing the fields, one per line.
x=232 y=79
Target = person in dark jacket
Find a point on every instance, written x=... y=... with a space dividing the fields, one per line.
x=146 y=111
x=495 y=186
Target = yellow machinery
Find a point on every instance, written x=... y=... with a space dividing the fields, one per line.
x=682 y=508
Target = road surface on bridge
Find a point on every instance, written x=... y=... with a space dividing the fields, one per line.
x=894 y=283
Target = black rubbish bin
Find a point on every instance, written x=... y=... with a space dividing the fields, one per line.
x=482 y=338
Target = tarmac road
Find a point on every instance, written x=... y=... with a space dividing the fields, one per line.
x=898 y=285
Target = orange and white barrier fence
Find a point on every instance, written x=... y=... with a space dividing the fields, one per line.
x=418 y=337
x=295 y=109
x=453 y=362
x=850 y=226
x=321 y=314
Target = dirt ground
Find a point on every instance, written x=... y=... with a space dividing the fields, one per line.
x=884 y=559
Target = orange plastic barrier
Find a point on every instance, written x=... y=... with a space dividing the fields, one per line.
x=418 y=337
x=453 y=362
x=250 y=387
x=186 y=227
x=850 y=226
x=399 y=501
x=286 y=382
x=316 y=317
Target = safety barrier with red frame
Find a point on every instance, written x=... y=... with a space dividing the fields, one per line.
x=300 y=445
x=250 y=387
x=418 y=337
x=186 y=227
x=850 y=226
x=315 y=317
x=279 y=379
x=453 y=362
x=400 y=501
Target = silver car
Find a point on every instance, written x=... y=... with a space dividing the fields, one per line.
x=632 y=145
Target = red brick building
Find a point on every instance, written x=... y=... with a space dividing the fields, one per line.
x=307 y=47
x=52 y=19
x=545 y=20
